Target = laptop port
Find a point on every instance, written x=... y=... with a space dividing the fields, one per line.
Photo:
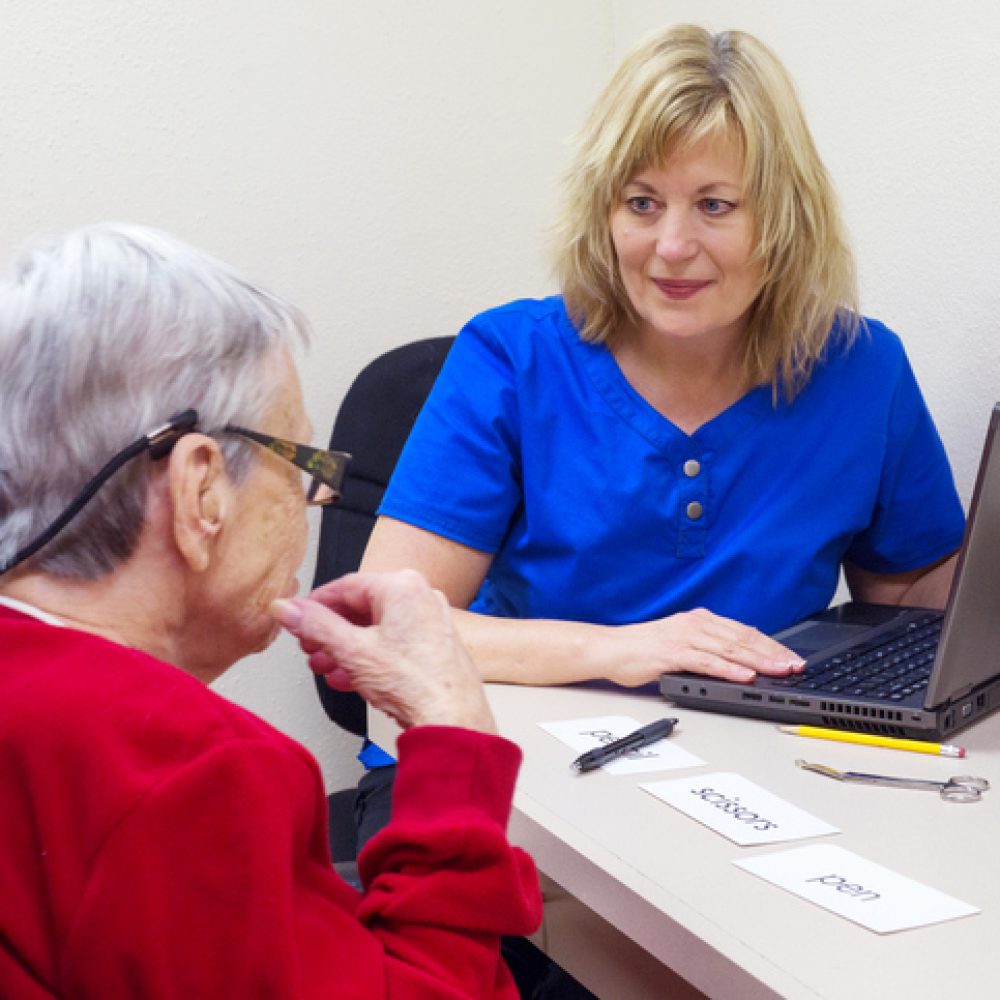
x=778 y=699
x=752 y=696
x=798 y=702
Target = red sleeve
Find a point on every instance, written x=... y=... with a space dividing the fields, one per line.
x=219 y=884
x=450 y=806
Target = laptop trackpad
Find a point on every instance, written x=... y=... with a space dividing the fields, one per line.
x=807 y=637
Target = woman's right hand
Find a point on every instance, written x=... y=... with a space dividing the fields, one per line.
x=390 y=637
x=700 y=642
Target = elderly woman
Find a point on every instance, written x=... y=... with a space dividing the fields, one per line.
x=159 y=841
x=691 y=441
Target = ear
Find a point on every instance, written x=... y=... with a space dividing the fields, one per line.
x=199 y=491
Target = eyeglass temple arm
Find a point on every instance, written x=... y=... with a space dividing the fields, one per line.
x=158 y=442
x=330 y=471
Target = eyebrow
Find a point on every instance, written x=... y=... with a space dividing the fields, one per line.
x=704 y=189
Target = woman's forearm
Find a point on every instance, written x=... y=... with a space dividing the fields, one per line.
x=535 y=651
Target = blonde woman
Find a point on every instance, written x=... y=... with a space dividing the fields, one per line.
x=680 y=452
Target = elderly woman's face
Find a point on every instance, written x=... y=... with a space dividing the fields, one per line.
x=266 y=534
x=684 y=239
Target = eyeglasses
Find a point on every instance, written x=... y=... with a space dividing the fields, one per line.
x=326 y=470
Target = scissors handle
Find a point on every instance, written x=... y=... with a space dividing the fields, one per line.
x=965 y=788
x=960 y=793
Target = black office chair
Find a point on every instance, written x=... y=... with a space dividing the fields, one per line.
x=373 y=423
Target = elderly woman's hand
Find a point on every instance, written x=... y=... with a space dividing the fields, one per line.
x=389 y=637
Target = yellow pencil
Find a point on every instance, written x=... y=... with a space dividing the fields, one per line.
x=870 y=740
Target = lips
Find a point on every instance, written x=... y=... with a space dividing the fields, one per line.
x=680 y=288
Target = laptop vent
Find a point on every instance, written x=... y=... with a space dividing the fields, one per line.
x=862 y=718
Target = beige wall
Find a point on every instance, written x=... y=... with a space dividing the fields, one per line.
x=391 y=166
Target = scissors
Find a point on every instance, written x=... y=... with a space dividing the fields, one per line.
x=962 y=788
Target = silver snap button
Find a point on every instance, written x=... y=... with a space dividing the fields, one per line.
x=694 y=510
x=692 y=468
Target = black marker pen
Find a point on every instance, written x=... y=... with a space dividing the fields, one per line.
x=602 y=755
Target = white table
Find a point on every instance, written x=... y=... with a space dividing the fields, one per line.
x=668 y=884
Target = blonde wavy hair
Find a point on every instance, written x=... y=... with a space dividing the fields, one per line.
x=679 y=86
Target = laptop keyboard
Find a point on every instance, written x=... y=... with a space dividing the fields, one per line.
x=890 y=669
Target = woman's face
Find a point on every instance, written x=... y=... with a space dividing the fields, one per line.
x=684 y=239
x=264 y=539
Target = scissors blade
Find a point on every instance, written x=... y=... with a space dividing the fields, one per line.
x=829 y=772
x=893 y=782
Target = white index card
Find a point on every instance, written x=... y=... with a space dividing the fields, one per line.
x=738 y=809
x=586 y=734
x=860 y=890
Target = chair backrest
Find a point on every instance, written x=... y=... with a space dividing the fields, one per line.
x=373 y=423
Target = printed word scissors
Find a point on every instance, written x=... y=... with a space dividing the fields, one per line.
x=962 y=788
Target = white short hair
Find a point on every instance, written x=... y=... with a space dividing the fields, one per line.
x=105 y=333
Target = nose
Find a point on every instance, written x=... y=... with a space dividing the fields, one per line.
x=675 y=238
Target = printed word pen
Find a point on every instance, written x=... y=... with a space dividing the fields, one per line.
x=870 y=740
x=608 y=752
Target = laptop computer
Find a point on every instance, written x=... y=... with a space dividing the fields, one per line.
x=895 y=671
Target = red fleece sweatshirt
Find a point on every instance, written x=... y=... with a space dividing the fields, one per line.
x=161 y=842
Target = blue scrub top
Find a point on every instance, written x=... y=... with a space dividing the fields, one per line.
x=535 y=448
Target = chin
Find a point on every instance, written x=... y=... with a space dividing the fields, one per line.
x=272 y=633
